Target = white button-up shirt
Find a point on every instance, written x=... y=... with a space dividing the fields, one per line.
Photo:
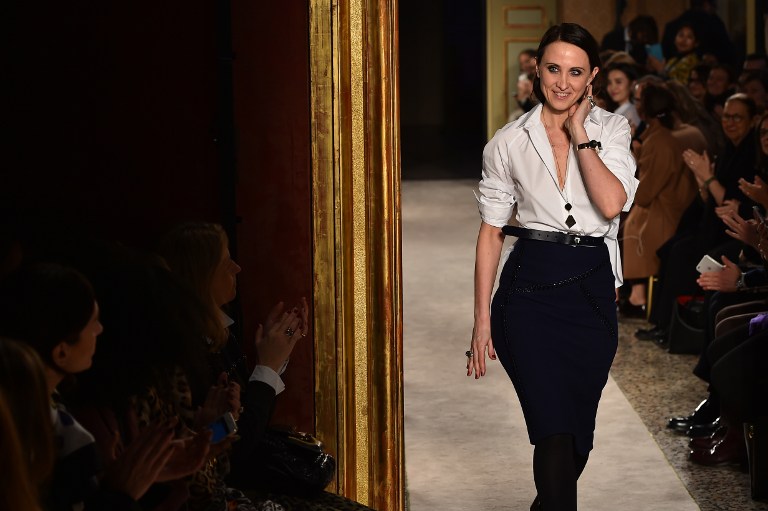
x=519 y=169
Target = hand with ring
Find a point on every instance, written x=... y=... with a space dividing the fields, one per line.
x=481 y=343
x=276 y=339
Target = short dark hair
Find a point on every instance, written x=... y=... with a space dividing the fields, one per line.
x=44 y=305
x=568 y=33
x=659 y=103
x=628 y=69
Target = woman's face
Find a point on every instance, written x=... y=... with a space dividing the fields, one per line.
x=224 y=281
x=736 y=121
x=697 y=89
x=619 y=86
x=764 y=136
x=564 y=74
x=685 y=40
x=717 y=82
x=76 y=358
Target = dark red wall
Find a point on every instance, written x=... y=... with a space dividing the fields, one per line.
x=113 y=110
x=271 y=71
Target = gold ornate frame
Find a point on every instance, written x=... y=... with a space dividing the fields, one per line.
x=356 y=238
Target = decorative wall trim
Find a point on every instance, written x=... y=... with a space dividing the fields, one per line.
x=525 y=16
x=356 y=245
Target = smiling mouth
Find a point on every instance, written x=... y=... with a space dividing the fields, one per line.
x=561 y=95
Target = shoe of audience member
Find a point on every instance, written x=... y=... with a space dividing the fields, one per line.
x=650 y=334
x=708 y=442
x=705 y=413
x=703 y=430
x=627 y=310
x=730 y=450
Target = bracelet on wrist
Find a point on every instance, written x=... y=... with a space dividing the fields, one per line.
x=705 y=184
x=592 y=144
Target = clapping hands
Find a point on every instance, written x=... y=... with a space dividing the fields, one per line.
x=276 y=339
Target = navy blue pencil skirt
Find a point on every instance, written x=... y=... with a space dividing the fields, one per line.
x=555 y=331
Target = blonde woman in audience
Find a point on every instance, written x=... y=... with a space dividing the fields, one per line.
x=26 y=441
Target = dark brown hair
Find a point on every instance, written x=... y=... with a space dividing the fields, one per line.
x=573 y=34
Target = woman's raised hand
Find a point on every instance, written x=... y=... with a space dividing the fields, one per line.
x=276 y=339
x=577 y=114
x=757 y=191
x=743 y=230
x=140 y=464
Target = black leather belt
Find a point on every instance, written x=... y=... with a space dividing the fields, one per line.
x=553 y=236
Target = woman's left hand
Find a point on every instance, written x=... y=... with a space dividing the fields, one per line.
x=743 y=230
x=757 y=191
x=577 y=114
x=699 y=164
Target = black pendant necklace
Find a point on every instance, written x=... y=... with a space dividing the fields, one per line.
x=570 y=221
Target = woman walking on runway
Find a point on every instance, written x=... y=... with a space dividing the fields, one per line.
x=567 y=167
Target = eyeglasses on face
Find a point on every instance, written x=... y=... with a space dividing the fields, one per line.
x=732 y=117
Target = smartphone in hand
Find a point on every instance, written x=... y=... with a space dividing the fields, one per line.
x=223 y=427
x=708 y=264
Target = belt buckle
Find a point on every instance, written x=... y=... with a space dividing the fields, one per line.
x=576 y=240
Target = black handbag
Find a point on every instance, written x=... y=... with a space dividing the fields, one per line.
x=756 y=436
x=295 y=462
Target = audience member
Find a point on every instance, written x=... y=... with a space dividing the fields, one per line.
x=678 y=67
x=643 y=33
x=53 y=309
x=755 y=85
x=691 y=112
x=198 y=253
x=697 y=82
x=665 y=191
x=26 y=434
x=719 y=193
x=621 y=81
x=721 y=84
x=715 y=38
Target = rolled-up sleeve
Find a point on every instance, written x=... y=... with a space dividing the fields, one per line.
x=617 y=156
x=495 y=195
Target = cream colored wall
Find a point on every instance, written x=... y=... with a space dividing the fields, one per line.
x=505 y=41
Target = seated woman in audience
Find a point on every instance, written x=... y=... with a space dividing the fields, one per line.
x=26 y=441
x=755 y=85
x=665 y=191
x=152 y=370
x=621 y=80
x=697 y=82
x=679 y=66
x=720 y=85
x=199 y=254
x=53 y=309
x=692 y=112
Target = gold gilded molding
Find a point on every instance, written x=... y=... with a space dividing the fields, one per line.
x=356 y=245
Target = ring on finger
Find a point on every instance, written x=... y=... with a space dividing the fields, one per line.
x=469 y=354
x=289 y=332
